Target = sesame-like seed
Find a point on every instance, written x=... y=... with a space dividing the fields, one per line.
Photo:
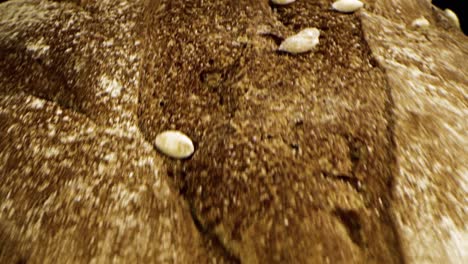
x=420 y=22
x=282 y=2
x=453 y=17
x=302 y=42
x=174 y=144
x=347 y=6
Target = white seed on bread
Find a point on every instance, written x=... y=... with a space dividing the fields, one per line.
x=420 y=22
x=303 y=41
x=174 y=144
x=347 y=6
x=453 y=17
x=282 y=2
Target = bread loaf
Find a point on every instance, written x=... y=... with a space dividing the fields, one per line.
x=354 y=152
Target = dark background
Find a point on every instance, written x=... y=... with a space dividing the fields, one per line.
x=460 y=7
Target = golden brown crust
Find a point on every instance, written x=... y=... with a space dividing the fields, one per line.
x=298 y=158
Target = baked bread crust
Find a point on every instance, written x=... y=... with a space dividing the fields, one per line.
x=352 y=153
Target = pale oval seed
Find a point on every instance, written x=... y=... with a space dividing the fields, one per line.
x=453 y=17
x=347 y=6
x=282 y=2
x=174 y=144
x=420 y=22
x=303 y=41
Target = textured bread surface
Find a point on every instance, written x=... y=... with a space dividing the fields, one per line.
x=355 y=152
